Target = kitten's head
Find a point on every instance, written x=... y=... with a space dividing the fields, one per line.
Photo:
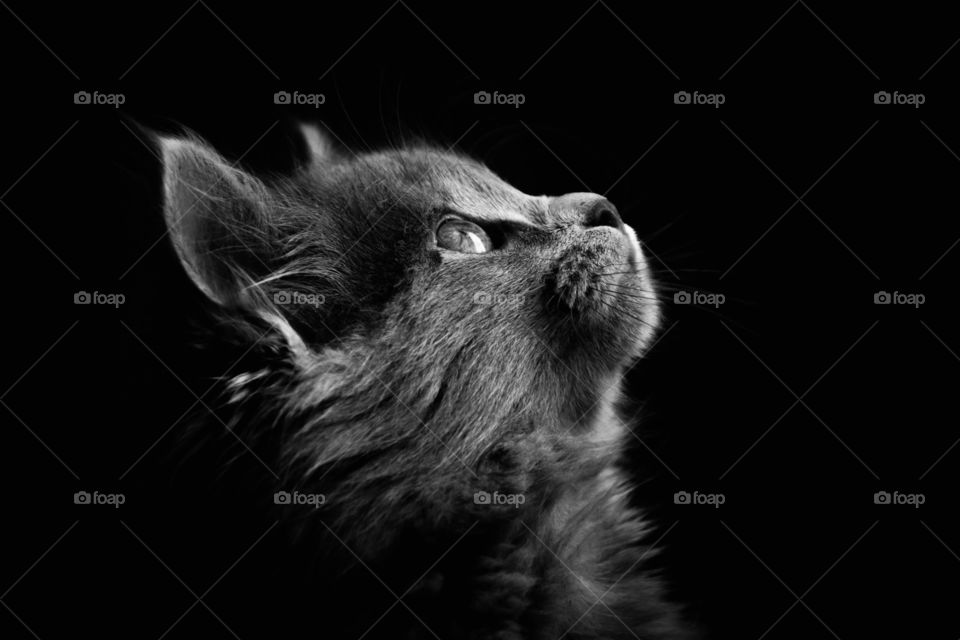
x=436 y=318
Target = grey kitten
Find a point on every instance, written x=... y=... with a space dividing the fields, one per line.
x=438 y=362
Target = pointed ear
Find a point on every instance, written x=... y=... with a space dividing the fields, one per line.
x=216 y=216
x=319 y=143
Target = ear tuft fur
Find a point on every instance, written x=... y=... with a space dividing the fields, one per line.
x=319 y=143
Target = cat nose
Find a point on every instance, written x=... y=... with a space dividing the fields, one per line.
x=602 y=213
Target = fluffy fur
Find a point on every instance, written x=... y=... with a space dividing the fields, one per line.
x=399 y=379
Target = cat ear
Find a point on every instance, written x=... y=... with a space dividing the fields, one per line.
x=216 y=216
x=319 y=143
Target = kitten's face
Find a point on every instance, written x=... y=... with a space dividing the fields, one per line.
x=443 y=325
x=435 y=232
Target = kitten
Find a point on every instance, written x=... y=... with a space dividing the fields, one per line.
x=432 y=366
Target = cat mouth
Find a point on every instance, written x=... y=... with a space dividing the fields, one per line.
x=602 y=283
x=589 y=273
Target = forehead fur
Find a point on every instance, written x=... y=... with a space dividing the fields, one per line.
x=434 y=179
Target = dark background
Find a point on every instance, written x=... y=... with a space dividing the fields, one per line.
x=713 y=192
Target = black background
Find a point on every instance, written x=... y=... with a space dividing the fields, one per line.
x=712 y=191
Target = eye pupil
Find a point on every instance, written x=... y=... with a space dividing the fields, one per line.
x=463 y=236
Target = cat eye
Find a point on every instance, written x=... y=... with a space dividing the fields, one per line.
x=463 y=236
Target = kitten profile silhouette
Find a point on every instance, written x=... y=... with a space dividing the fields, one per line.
x=433 y=368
